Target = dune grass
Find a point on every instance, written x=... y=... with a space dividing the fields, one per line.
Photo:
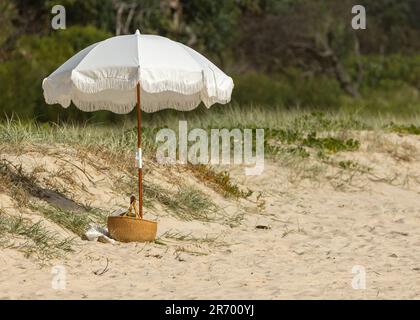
x=187 y=203
x=121 y=138
x=293 y=136
x=220 y=181
x=404 y=129
x=33 y=239
x=304 y=143
x=273 y=117
x=76 y=222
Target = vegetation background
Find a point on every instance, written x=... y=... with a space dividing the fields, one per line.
x=282 y=54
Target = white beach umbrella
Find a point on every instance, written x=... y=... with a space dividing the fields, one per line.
x=149 y=71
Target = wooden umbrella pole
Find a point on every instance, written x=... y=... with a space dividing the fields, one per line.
x=139 y=153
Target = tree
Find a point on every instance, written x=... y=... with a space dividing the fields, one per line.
x=313 y=35
x=7 y=15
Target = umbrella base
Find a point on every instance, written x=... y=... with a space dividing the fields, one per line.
x=130 y=229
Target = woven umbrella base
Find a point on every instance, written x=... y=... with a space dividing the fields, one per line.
x=130 y=229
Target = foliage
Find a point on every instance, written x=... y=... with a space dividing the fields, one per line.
x=330 y=144
x=34 y=58
x=221 y=181
x=293 y=90
x=283 y=54
x=405 y=129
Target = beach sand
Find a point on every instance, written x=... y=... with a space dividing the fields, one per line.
x=299 y=238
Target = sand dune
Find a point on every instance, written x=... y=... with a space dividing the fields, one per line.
x=297 y=236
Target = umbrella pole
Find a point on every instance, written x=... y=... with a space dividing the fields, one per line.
x=139 y=153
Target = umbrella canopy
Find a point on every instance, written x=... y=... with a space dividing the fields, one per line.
x=104 y=76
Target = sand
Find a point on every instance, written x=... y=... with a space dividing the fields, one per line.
x=299 y=239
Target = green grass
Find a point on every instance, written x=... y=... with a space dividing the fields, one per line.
x=187 y=203
x=312 y=132
x=192 y=204
x=306 y=142
x=76 y=222
x=330 y=144
x=293 y=133
x=296 y=134
x=116 y=139
x=277 y=118
x=121 y=139
x=33 y=239
x=220 y=181
x=405 y=129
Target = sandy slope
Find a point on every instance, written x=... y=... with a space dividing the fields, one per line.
x=317 y=231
